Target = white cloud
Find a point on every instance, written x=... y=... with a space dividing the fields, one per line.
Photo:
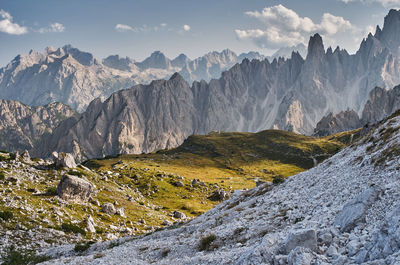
x=163 y=25
x=54 y=27
x=123 y=28
x=7 y=25
x=284 y=27
x=385 y=3
x=186 y=27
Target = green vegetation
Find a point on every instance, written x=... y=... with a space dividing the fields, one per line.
x=13 y=256
x=6 y=215
x=81 y=247
x=71 y=228
x=205 y=242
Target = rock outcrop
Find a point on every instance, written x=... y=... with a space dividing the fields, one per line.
x=74 y=189
x=343 y=121
x=65 y=160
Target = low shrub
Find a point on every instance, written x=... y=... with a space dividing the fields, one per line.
x=277 y=179
x=205 y=242
x=81 y=247
x=6 y=215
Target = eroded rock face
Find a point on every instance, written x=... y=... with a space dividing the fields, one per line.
x=75 y=189
x=354 y=212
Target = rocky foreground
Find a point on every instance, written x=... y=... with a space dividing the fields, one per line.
x=344 y=211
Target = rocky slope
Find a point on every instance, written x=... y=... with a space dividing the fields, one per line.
x=22 y=126
x=344 y=211
x=75 y=77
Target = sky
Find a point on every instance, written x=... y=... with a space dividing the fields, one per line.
x=136 y=28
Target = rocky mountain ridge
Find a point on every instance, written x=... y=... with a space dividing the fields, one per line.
x=74 y=77
x=290 y=94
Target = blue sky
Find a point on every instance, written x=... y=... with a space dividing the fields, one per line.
x=136 y=28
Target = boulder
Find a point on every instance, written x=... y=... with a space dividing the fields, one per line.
x=26 y=157
x=178 y=184
x=218 y=195
x=120 y=211
x=64 y=160
x=301 y=256
x=305 y=238
x=179 y=215
x=90 y=224
x=108 y=208
x=75 y=189
x=354 y=211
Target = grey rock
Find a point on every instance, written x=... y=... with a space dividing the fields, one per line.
x=26 y=157
x=301 y=256
x=354 y=211
x=108 y=208
x=120 y=212
x=74 y=189
x=178 y=184
x=90 y=225
x=179 y=215
x=306 y=238
x=331 y=124
x=219 y=195
x=65 y=160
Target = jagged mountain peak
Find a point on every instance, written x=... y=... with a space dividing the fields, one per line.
x=390 y=33
x=315 y=47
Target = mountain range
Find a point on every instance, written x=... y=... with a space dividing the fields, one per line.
x=291 y=94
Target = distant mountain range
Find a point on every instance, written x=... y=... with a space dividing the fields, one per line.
x=73 y=77
x=292 y=94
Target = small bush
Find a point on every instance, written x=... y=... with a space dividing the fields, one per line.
x=2 y=176
x=6 y=215
x=13 y=256
x=81 y=247
x=277 y=179
x=165 y=252
x=51 y=191
x=205 y=242
x=70 y=228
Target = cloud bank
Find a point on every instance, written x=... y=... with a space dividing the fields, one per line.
x=284 y=27
x=8 y=26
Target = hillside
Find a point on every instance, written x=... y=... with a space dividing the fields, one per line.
x=153 y=190
x=344 y=211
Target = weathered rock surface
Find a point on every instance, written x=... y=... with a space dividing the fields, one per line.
x=74 y=189
x=301 y=238
x=354 y=212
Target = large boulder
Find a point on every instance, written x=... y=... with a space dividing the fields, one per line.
x=74 y=189
x=355 y=210
x=305 y=238
x=64 y=160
